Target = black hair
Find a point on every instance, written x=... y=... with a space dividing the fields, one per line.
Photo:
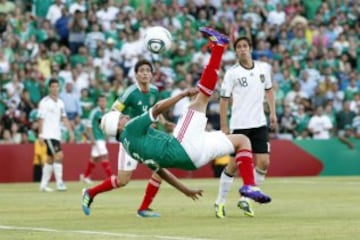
x=242 y=38
x=53 y=80
x=143 y=62
x=100 y=96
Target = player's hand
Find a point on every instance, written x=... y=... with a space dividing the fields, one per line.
x=273 y=121
x=225 y=130
x=194 y=194
x=41 y=140
x=191 y=92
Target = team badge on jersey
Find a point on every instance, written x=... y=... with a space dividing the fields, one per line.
x=262 y=78
x=152 y=100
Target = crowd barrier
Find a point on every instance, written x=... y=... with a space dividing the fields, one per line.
x=288 y=158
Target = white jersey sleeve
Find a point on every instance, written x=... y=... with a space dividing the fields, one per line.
x=227 y=85
x=268 y=75
x=41 y=111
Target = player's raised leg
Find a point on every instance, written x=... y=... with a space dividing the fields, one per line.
x=209 y=76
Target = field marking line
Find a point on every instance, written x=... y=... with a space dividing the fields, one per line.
x=86 y=232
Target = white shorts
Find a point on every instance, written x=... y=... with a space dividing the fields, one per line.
x=99 y=149
x=125 y=161
x=201 y=146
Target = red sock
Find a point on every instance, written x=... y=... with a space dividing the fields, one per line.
x=107 y=185
x=150 y=192
x=106 y=165
x=209 y=76
x=245 y=165
x=89 y=169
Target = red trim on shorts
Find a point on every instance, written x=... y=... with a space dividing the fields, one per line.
x=185 y=125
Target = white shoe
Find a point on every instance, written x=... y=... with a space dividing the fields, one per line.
x=87 y=180
x=46 y=189
x=61 y=187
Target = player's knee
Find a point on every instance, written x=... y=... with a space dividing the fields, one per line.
x=58 y=156
x=123 y=178
x=156 y=177
x=262 y=162
x=242 y=142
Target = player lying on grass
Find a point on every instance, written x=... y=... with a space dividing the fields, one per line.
x=190 y=146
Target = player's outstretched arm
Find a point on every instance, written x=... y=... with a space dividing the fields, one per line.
x=165 y=104
x=175 y=182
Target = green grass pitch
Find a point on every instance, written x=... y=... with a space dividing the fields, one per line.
x=302 y=209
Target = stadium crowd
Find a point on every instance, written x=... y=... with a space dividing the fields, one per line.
x=91 y=47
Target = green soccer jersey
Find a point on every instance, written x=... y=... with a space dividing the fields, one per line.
x=135 y=102
x=95 y=117
x=152 y=147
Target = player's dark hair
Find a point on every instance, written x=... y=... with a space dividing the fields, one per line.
x=100 y=96
x=53 y=80
x=143 y=62
x=242 y=38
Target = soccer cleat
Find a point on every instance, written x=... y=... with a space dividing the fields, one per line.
x=148 y=213
x=254 y=193
x=245 y=205
x=61 y=187
x=220 y=210
x=86 y=201
x=46 y=189
x=214 y=36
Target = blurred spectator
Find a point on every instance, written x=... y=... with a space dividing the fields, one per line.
x=6 y=137
x=54 y=12
x=106 y=14
x=71 y=101
x=344 y=118
x=302 y=121
x=287 y=124
x=77 y=5
x=356 y=124
x=77 y=26
x=94 y=39
x=7 y=6
x=62 y=27
x=312 y=46
x=320 y=125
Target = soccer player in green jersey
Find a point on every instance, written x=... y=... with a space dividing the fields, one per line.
x=137 y=99
x=190 y=146
x=99 y=152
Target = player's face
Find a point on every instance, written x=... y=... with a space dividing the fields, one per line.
x=102 y=103
x=243 y=50
x=54 y=89
x=144 y=74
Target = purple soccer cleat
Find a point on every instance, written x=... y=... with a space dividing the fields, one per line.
x=254 y=193
x=214 y=36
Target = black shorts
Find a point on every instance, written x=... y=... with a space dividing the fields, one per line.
x=53 y=146
x=259 y=138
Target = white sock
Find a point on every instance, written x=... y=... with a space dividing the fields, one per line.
x=259 y=175
x=58 y=170
x=46 y=175
x=224 y=187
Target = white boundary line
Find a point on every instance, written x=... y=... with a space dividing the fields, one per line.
x=85 y=232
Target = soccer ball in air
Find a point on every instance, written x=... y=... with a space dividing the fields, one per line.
x=158 y=39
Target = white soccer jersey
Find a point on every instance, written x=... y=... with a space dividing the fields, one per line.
x=51 y=112
x=247 y=88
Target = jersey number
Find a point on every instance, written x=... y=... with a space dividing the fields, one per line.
x=243 y=82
